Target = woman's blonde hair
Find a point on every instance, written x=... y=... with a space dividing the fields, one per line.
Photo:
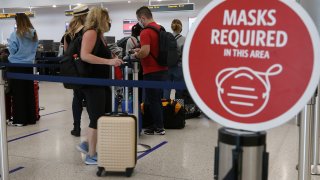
x=24 y=25
x=98 y=19
x=75 y=24
x=176 y=26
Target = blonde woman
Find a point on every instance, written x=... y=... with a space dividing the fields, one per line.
x=175 y=72
x=75 y=30
x=22 y=47
x=76 y=24
x=95 y=52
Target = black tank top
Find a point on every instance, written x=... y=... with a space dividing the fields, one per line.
x=98 y=70
x=100 y=50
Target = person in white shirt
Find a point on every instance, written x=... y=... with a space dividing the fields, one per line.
x=134 y=40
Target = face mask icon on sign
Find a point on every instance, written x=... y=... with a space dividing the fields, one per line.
x=244 y=92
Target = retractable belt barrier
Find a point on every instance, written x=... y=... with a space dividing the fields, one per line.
x=29 y=65
x=4 y=162
x=50 y=59
x=89 y=81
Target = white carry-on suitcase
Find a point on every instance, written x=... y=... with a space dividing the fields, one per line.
x=117 y=141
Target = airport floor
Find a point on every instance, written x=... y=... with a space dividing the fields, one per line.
x=46 y=151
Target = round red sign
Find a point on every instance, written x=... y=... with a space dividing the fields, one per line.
x=251 y=64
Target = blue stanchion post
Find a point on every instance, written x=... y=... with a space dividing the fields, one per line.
x=3 y=131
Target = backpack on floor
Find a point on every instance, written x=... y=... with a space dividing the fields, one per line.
x=168 y=55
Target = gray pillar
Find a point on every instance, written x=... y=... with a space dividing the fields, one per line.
x=3 y=132
x=313 y=8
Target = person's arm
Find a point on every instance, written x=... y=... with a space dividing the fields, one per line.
x=130 y=45
x=182 y=41
x=180 y=44
x=13 y=43
x=143 y=51
x=65 y=43
x=145 y=41
x=88 y=42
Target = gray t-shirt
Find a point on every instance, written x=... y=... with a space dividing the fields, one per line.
x=180 y=43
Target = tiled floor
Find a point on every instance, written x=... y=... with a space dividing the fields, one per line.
x=188 y=154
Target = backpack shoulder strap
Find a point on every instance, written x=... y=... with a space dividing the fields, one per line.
x=156 y=30
x=153 y=28
x=132 y=40
x=162 y=28
x=178 y=36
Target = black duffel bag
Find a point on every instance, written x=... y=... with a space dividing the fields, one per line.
x=173 y=115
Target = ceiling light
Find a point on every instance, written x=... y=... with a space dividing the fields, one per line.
x=54 y=6
x=129 y=1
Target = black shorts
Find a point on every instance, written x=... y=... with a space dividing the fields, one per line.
x=96 y=103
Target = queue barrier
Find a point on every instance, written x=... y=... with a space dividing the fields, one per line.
x=60 y=79
x=89 y=81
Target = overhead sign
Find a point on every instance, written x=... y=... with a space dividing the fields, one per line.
x=68 y=12
x=12 y=15
x=172 y=7
x=251 y=64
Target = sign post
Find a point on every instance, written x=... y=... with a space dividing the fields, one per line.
x=4 y=159
x=259 y=61
x=304 y=142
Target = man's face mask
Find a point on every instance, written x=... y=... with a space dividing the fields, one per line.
x=109 y=23
x=140 y=21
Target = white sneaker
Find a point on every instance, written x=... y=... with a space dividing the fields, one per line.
x=10 y=123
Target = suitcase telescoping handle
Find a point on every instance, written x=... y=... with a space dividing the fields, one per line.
x=112 y=90
x=126 y=89
x=133 y=63
x=117 y=114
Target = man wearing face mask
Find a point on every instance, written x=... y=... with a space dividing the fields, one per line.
x=152 y=71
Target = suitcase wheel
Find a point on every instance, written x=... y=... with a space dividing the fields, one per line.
x=100 y=171
x=129 y=172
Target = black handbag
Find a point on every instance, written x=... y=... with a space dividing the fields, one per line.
x=73 y=68
x=72 y=65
